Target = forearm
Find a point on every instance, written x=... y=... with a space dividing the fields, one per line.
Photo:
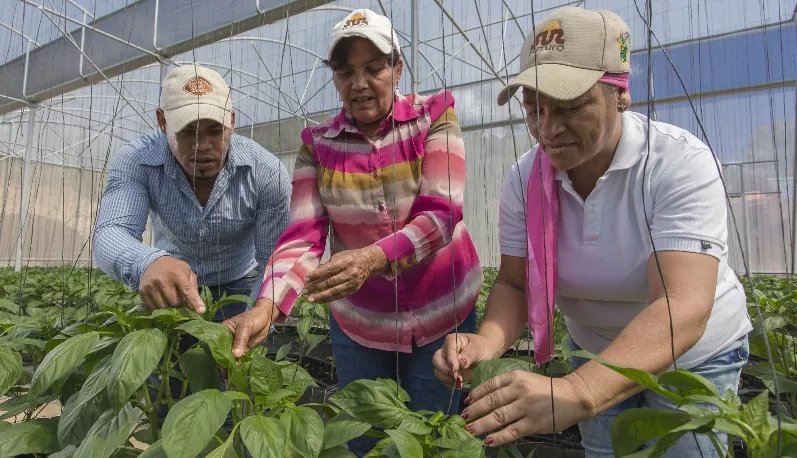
x=122 y=256
x=505 y=317
x=646 y=344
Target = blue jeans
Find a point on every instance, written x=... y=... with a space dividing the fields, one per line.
x=355 y=362
x=723 y=370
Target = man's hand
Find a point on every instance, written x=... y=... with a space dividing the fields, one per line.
x=252 y=327
x=344 y=274
x=169 y=282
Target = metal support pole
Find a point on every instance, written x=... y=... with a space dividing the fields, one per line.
x=27 y=170
x=414 y=46
x=747 y=232
x=794 y=190
x=651 y=87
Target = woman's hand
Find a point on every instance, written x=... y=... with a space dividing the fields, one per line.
x=519 y=403
x=455 y=360
x=252 y=327
x=344 y=274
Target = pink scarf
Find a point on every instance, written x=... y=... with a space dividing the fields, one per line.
x=542 y=215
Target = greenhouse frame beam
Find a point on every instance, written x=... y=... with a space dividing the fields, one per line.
x=113 y=56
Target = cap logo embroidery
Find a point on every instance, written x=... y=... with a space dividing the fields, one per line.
x=622 y=43
x=198 y=86
x=356 y=19
x=551 y=38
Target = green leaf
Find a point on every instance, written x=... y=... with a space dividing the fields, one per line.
x=395 y=388
x=225 y=450
x=292 y=372
x=67 y=452
x=9 y=305
x=265 y=376
x=762 y=371
x=340 y=432
x=10 y=369
x=200 y=370
x=191 y=423
x=633 y=428
x=407 y=444
x=134 y=359
x=34 y=436
x=756 y=412
x=313 y=340
x=641 y=377
x=18 y=404
x=371 y=402
x=304 y=431
x=337 y=452
x=217 y=336
x=61 y=361
x=264 y=437
x=283 y=351
x=688 y=382
x=81 y=411
x=772 y=321
x=233 y=299
x=415 y=425
x=109 y=432
x=303 y=326
x=486 y=370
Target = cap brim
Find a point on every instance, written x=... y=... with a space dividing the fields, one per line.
x=384 y=46
x=178 y=118
x=557 y=81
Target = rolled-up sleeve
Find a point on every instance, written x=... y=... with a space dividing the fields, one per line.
x=301 y=246
x=121 y=221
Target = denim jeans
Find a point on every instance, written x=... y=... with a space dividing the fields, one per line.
x=355 y=362
x=723 y=370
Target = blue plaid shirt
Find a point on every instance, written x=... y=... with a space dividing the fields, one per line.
x=235 y=232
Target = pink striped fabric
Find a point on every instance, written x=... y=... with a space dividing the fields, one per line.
x=355 y=190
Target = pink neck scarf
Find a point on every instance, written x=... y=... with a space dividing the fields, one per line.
x=542 y=215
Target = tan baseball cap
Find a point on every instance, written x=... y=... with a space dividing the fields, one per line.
x=366 y=24
x=193 y=92
x=569 y=51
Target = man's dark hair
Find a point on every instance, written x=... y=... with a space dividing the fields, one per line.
x=341 y=52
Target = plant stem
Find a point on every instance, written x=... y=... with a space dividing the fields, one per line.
x=151 y=412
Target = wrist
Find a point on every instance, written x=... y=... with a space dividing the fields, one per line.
x=378 y=259
x=583 y=397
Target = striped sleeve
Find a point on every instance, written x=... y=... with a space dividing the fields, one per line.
x=438 y=207
x=121 y=220
x=301 y=246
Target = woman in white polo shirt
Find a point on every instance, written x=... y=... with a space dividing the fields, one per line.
x=581 y=214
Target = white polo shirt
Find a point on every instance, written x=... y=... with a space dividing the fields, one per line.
x=604 y=245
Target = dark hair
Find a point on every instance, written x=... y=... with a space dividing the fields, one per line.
x=341 y=52
x=610 y=91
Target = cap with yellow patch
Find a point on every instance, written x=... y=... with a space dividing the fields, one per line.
x=569 y=51
x=366 y=24
x=192 y=92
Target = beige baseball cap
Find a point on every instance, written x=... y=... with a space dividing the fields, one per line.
x=569 y=52
x=193 y=92
x=366 y=24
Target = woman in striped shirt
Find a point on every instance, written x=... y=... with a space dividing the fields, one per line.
x=385 y=180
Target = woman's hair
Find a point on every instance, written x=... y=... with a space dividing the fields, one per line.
x=341 y=52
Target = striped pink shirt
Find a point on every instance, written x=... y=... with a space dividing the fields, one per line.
x=349 y=187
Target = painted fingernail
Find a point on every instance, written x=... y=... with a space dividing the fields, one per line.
x=451 y=374
x=488 y=441
x=469 y=429
x=459 y=383
x=464 y=414
x=468 y=400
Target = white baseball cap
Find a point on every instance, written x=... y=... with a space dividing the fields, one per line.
x=193 y=92
x=569 y=51
x=366 y=24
